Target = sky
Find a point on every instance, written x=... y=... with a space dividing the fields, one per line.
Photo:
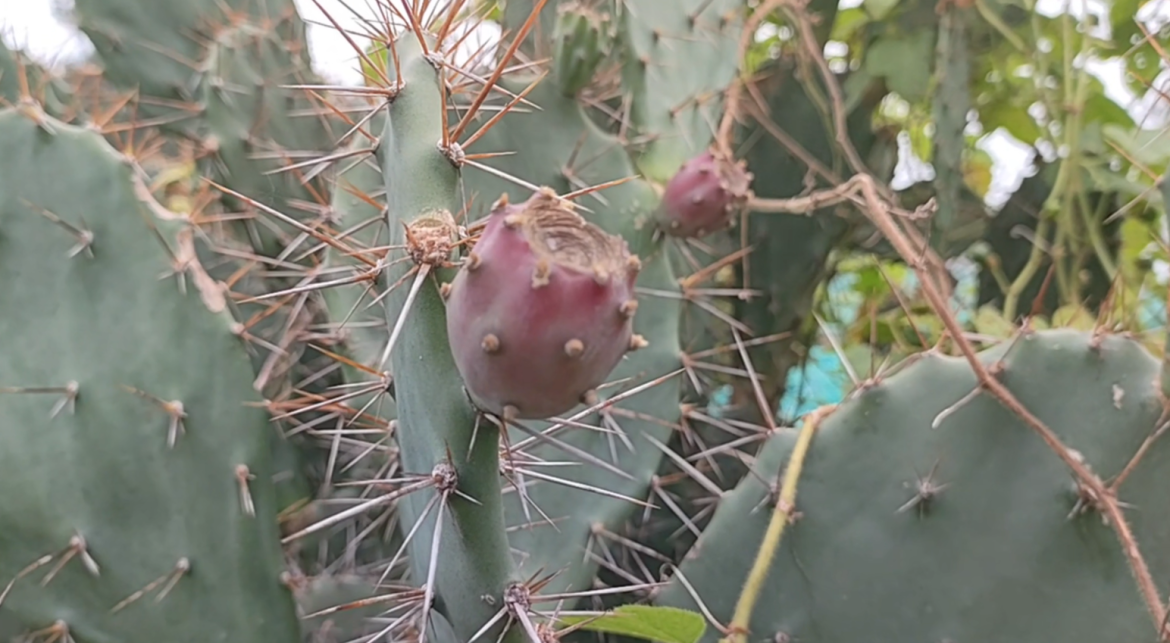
x=30 y=25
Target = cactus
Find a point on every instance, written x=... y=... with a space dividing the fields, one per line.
x=925 y=506
x=222 y=74
x=583 y=38
x=135 y=461
x=443 y=313
x=460 y=507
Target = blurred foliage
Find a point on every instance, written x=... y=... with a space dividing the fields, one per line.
x=1080 y=242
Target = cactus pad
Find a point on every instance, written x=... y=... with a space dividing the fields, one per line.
x=926 y=511
x=134 y=454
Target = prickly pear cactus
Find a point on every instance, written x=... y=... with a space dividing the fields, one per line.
x=927 y=511
x=222 y=73
x=138 y=502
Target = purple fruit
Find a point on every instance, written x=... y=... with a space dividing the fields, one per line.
x=703 y=195
x=542 y=309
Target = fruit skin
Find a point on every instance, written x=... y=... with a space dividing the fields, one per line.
x=703 y=195
x=542 y=310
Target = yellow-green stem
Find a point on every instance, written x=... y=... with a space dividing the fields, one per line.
x=780 y=515
x=1012 y=299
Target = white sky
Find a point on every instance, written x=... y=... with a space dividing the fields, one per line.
x=30 y=25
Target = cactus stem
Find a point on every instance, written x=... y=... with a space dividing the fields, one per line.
x=446 y=481
x=785 y=504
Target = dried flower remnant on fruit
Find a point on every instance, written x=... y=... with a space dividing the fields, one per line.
x=430 y=237
x=704 y=195
x=546 y=311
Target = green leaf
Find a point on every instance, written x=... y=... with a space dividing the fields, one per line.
x=847 y=24
x=905 y=63
x=650 y=622
x=879 y=9
x=1102 y=109
x=1123 y=22
x=1142 y=66
x=990 y=321
x=1013 y=118
x=1149 y=147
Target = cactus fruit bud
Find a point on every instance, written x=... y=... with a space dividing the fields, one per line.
x=703 y=195
x=583 y=40
x=533 y=326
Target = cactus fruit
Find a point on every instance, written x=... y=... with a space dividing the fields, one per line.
x=542 y=309
x=704 y=195
x=928 y=511
x=138 y=499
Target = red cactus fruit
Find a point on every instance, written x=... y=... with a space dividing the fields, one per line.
x=542 y=309
x=703 y=195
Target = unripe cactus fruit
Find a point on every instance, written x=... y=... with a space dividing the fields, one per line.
x=542 y=309
x=703 y=195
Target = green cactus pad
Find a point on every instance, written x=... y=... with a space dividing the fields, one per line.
x=679 y=59
x=89 y=466
x=583 y=38
x=964 y=531
x=218 y=72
